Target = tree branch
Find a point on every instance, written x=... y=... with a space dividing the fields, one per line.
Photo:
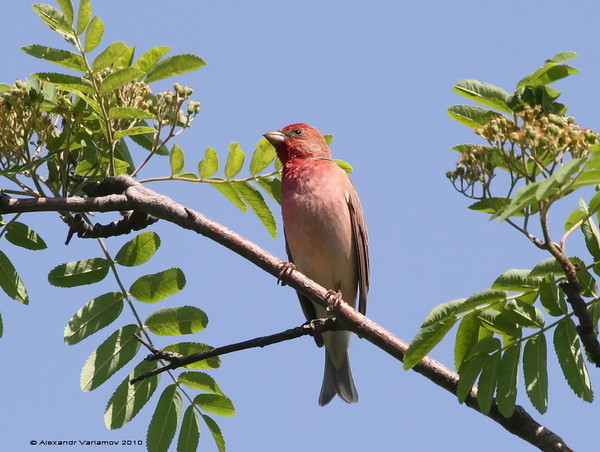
x=140 y=198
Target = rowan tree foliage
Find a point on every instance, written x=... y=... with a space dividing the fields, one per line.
x=77 y=141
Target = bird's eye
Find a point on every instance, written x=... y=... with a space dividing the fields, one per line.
x=297 y=132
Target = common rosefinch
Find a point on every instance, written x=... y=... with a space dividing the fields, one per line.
x=326 y=239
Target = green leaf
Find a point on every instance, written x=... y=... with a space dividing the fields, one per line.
x=175 y=321
x=516 y=280
x=473 y=117
x=257 y=203
x=200 y=381
x=524 y=197
x=487 y=383
x=67 y=8
x=263 y=156
x=552 y=298
x=53 y=18
x=535 y=371
x=215 y=404
x=344 y=165
x=155 y=287
x=138 y=130
x=128 y=399
x=575 y=218
x=94 y=34
x=568 y=350
x=175 y=65
x=492 y=205
x=125 y=59
x=109 y=55
x=562 y=57
x=549 y=266
x=549 y=187
x=93 y=316
x=469 y=333
x=129 y=113
x=588 y=286
x=58 y=56
x=524 y=314
x=425 y=340
x=164 y=420
x=235 y=160
x=176 y=160
x=272 y=186
x=484 y=93
x=216 y=432
x=550 y=72
x=78 y=273
x=469 y=372
x=117 y=79
x=64 y=81
x=189 y=434
x=11 y=282
x=138 y=250
x=190 y=348
x=149 y=58
x=84 y=15
x=20 y=234
x=445 y=310
x=232 y=194
x=499 y=322
x=508 y=372
x=209 y=164
x=109 y=357
x=591 y=235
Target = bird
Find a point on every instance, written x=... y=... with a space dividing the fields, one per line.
x=326 y=240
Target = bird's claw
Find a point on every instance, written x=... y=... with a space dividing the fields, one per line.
x=334 y=298
x=285 y=269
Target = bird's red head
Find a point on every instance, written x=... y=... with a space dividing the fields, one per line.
x=298 y=141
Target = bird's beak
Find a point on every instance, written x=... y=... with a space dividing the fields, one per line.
x=275 y=138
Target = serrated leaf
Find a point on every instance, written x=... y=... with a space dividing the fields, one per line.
x=549 y=266
x=469 y=372
x=109 y=55
x=516 y=280
x=57 y=56
x=150 y=57
x=215 y=404
x=235 y=160
x=164 y=420
x=552 y=298
x=425 y=340
x=138 y=130
x=93 y=316
x=190 y=348
x=156 y=287
x=549 y=73
x=68 y=82
x=568 y=350
x=125 y=59
x=591 y=235
x=20 y=234
x=109 y=357
x=231 y=194
x=93 y=35
x=67 y=9
x=492 y=205
x=587 y=283
x=216 y=432
x=524 y=314
x=487 y=383
x=255 y=200
x=77 y=273
x=53 y=18
x=175 y=321
x=176 y=160
x=200 y=381
x=189 y=434
x=468 y=334
x=508 y=372
x=535 y=371
x=175 y=65
x=470 y=116
x=129 y=113
x=263 y=156
x=272 y=186
x=11 y=282
x=138 y=250
x=209 y=164
x=128 y=399
x=120 y=77
x=484 y=93
x=444 y=310
x=83 y=16
x=499 y=322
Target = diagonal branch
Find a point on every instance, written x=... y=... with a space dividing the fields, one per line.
x=140 y=198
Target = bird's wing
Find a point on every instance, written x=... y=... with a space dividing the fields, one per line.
x=307 y=307
x=361 y=243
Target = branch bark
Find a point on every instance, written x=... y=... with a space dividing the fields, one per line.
x=139 y=198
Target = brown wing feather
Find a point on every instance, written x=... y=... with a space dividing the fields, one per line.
x=361 y=242
x=307 y=307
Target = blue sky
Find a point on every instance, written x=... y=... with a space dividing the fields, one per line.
x=378 y=76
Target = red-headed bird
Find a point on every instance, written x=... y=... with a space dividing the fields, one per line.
x=326 y=239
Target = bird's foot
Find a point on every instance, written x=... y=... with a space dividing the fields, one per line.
x=285 y=269
x=334 y=298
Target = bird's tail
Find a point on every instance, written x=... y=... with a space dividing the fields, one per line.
x=337 y=381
